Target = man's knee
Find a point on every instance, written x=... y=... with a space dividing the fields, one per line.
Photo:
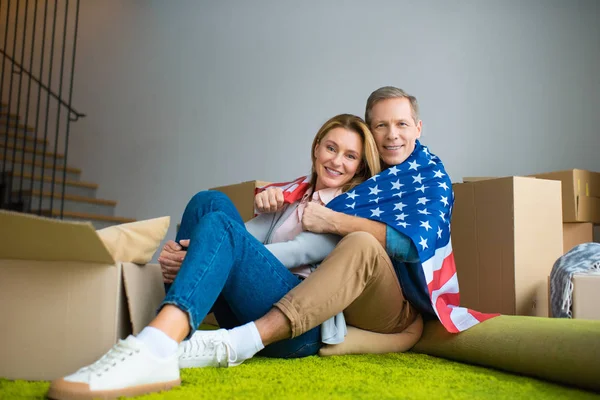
x=360 y=241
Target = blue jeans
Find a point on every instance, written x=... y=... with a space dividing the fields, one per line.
x=228 y=271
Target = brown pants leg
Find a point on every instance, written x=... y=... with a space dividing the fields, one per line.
x=357 y=278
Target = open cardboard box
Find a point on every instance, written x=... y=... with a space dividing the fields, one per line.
x=64 y=301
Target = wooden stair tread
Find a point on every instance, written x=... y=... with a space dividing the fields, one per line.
x=8 y=114
x=31 y=150
x=22 y=137
x=71 y=197
x=39 y=164
x=12 y=124
x=59 y=181
x=87 y=216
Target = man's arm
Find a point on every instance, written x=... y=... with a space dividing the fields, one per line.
x=319 y=219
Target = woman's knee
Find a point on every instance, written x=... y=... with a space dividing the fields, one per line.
x=207 y=196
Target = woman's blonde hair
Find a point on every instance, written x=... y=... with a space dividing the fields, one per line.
x=369 y=163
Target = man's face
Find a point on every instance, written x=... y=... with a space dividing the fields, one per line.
x=394 y=129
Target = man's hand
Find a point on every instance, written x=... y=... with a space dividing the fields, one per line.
x=269 y=200
x=170 y=259
x=318 y=219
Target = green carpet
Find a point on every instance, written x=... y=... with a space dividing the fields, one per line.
x=398 y=376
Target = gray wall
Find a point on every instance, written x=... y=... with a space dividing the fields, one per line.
x=185 y=95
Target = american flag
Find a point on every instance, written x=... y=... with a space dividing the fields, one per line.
x=416 y=199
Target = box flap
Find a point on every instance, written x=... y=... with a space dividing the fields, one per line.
x=29 y=237
x=242 y=195
x=145 y=291
x=586 y=296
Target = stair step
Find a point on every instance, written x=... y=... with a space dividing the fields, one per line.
x=29 y=153
x=76 y=188
x=12 y=125
x=72 y=173
x=20 y=139
x=73 y=203
x=99 y=221
x=4 y=115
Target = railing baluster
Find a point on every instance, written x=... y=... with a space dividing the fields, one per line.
x=48 y=106
x=26 y=207
x=3 y=183
x=37 y=118
x=14 y=157
x=60 y=90
x=62 y=198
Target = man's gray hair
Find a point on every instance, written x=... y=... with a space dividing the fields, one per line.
x=390 y=92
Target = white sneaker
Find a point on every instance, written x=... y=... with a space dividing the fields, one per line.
x=128 y=369
x=208 y=349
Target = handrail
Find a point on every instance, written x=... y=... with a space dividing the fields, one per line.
x=61 y=101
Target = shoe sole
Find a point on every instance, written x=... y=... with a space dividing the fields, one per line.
x=64 y=390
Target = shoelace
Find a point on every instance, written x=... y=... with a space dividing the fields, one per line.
x=209 y=346
x=119 y=352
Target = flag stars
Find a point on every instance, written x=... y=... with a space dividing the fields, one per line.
x=439 y=233
x=376 y=212
x=352 y=195
x=401 y=216
x=443 y=216
x=438 y=174
x=425 y=224
x=443 y=185
x=422 y=200
x=396 y=185
x=394 y=170
x=423 y=243
x=418 y=179
x=351 y=205
x=399 y=194
x=424 y=212
x=413 y=165
x=399 y=206
x=374 y=190
x=422 y=188
x=444 y=200
x=375 y=200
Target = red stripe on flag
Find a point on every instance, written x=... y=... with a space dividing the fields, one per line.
x=443 y=275
x=444 y=311
x=481 y=316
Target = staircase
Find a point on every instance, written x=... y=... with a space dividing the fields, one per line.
x=31 y=174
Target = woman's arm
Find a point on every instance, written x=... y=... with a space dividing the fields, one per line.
x=306 y=248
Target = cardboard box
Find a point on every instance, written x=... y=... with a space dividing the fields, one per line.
x=242 y=195
x=586 y=296
x=597 y=233
x=506 y=236
x=64 y=301
x=580 y=193
x=575 y=233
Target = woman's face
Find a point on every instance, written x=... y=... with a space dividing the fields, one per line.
x=337 y=158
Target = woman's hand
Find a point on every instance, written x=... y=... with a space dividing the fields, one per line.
x=269 y=200
x=170 y=259
x=318 y=219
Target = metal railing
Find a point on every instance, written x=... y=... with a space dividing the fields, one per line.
x=31 y=29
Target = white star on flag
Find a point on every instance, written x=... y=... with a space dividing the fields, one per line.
x=376 y=200
x=432 y=162
x=351 y=205
x=374 y=190
x=443 y=185
x=422 y=188
x=443 y=216
x=444 y=200
x=399 y=194
x=418 y=179
x=376 y=212
x=426 y=150
x=352 y=195
x=396 y=185
x=399 y=206
x=374 y=177
x=413 y=165
x=422 y=200
x=423 y=243
x=439 y=233
x=425 y=224
x=401 y=216
x=424 y=212
x=394 y=170
x=438 y=174
x=403 y=224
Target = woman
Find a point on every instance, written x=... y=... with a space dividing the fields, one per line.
x=229 y=268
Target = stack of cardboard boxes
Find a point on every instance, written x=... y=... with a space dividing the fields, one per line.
x=508 y=232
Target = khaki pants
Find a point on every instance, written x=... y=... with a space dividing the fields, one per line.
x=357 y=278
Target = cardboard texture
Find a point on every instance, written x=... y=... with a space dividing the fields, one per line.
x=575 y=233
x=64 y=300
x=242 y=195
x=597 y=233
x=506 y=235
x=580 y=194
x=586 y=296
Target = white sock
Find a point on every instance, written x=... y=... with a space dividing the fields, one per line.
x=246 y=341
x=159 y=343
